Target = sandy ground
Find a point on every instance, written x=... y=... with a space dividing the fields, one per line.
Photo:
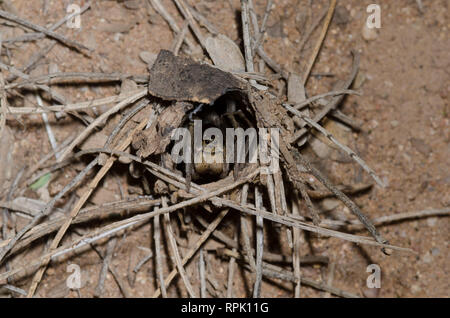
x=404 y=111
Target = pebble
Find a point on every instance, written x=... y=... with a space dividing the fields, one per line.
x=342 y=15
x=359 y=80
x=421 y=146
x=132 y=4
x=330 y=204
x=50 y=271
x=369 y=34
x=432 y=222
x=44 y=194
x=446 y=200
x=394 y=123
x=416 y=289
x=320 y=149
x=427 y=258
x=128 y=86
x=53 y=68
x=225 y=53
x=148 y=57
x=117 y=37
x=386 y=181
x=412 y=196
x=435 y=251
x=91 y=42
x=276 y=30
x=371 y=292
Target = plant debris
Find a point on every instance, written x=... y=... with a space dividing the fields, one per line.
x=182 y=79
x=200 y=214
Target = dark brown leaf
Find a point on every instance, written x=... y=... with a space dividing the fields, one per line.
x=182 y=79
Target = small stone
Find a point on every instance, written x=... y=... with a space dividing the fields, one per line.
x=125 y=159
x=394 y=123
x=359 y=80
x=435 y=251
x=386 y=181
x=373 y=124
x=369 y=34
x=53 y=68
x=90 y=41
x=117 y=37
x=412 y=196
x=50 y=271
x=276 y=30
x=155 y=19
x=128 y=86
x=371 y=292
x=132 y=4
x=421 y=146
x=141 y=279
x=320 y=148
x=43 y=193
x=148 y=57
x=161 y=187
x=446 y=200
x=225 y=53
x=427 y=258
x=341 y=15
x=432 y=222
x=415 y=289
x=330 y=204
x=54 y=188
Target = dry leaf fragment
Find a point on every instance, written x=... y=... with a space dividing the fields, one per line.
x=155 y=139
x=225 y=54
x=182 y=79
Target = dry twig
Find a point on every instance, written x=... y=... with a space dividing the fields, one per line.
x=323 y=33
x=70 y=43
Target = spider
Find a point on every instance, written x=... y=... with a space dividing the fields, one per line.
x=229 y=111
x=219 y=101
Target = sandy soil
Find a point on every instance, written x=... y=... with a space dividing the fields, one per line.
x=404 y=111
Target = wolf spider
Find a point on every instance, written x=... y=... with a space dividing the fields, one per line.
x=229 y=111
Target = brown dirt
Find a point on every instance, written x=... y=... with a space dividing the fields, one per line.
x=404 y=110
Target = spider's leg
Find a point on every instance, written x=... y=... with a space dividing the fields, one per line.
x=225 y=164
x=196 y=110
x=189 y=166
x=189 y=173
x=240 y=114
x=235 y=125
x=233 y=117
